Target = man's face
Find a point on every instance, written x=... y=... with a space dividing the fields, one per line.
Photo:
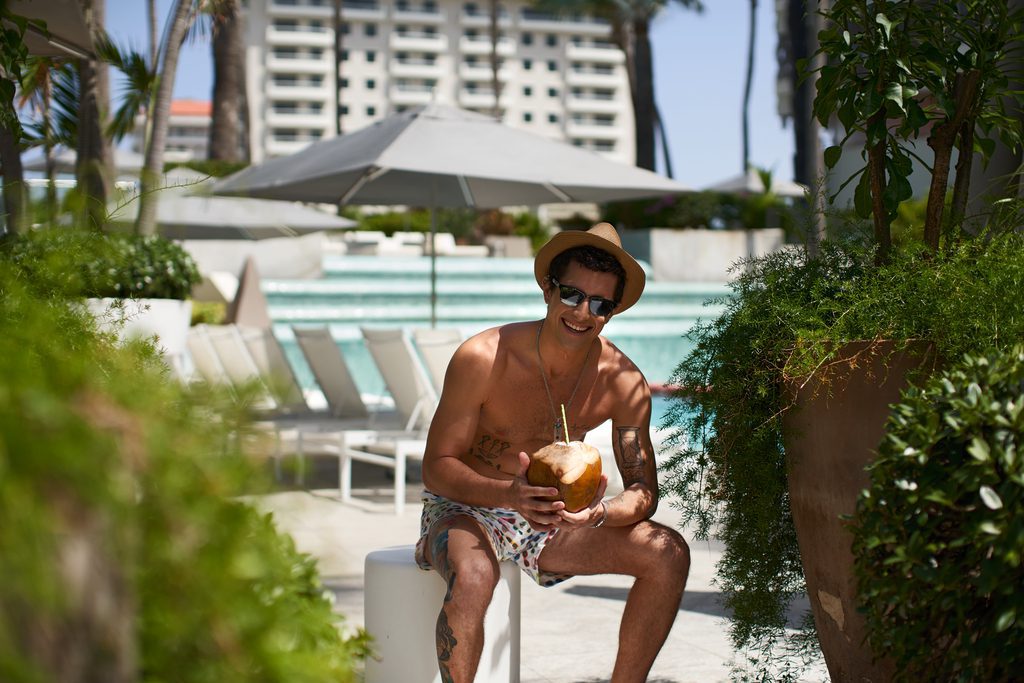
x=576 y=324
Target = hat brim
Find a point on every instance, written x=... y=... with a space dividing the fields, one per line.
x=636 y=278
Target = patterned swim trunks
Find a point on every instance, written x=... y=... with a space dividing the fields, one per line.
x=511 y=536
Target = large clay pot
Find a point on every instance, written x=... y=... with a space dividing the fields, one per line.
x=831 y=434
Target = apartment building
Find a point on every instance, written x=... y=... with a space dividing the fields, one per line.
x=188 y=131
x=561 y=78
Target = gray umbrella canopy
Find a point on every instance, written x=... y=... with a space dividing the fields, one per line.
x=187 y=211
x=751 y=183
x=439 y=156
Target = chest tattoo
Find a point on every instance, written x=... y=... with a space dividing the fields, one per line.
x=488 y=449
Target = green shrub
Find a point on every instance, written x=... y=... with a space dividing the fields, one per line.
x=939 y=536
x=787 y=315
x=94 y=264
x=126 y=552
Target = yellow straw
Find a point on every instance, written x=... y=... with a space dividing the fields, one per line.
x=565 y=424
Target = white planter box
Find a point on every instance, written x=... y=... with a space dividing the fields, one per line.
x=167 y=319
x=696 y=255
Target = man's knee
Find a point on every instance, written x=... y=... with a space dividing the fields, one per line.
x=474 y=577
x=668 y=550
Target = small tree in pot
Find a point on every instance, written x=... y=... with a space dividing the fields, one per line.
x=788 y=326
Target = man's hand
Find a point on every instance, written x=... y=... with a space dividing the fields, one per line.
x=537 y=504
x=588 y=516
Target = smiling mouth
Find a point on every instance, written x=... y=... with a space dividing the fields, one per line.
x=573 y=327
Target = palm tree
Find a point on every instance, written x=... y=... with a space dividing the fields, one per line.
x=630 y=22
x=751 y=42
x=95 y=159
x=228 y=82
x=181 y=18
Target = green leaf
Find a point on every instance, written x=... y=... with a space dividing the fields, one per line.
x=979 y=450
x=989 y=528
x=884 y=22
x=832 y=155
x=862 y=197
x=1006 y=620
x=990 y=498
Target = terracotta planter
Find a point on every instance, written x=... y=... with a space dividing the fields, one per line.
x=831 y=434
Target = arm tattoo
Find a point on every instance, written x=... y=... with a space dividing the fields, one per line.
x=629 y=454
x=489 y=449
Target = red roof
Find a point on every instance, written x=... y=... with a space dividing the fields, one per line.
x=191 y=107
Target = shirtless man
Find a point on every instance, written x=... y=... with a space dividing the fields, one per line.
x=502 y=400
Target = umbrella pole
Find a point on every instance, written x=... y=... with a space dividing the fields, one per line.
x=433 y=269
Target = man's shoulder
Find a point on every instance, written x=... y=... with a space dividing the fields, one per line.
x=617 y=364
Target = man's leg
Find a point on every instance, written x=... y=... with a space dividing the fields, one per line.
x=458 y=549
x=659 y=559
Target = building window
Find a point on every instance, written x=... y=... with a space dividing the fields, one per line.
x=316 y=52
x=371 y=56
x=344 y=82
x=371 y=111
x=344 y=55
x=552 y=118
x=552 y=65
x=527 y=91
x=345 y=28
x=344 y=110
x=471 y=9
x=552 y=92
x=370 y=84
x=526 y=39
x=552 y=40
x=527 y=64
x=370 y=30
x=527 y=116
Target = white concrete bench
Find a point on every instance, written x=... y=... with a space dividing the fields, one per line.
x=401 y=604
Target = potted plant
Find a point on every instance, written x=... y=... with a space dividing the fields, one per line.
x=801 y=325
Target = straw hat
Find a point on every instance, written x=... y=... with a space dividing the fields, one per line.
x=603 y=236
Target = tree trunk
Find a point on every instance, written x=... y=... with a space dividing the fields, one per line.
x=145 y=224
x=751 y=44
x=876 y=178
x=643 y=95
x=338 y=46
x=664 y=141
x=15 y=198
x=808 y=162
x=495 y=60
x=94 y=163
x=228 y=74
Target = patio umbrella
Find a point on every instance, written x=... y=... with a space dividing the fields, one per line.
x=439 y=156
x=188 y=211
x=751 y=183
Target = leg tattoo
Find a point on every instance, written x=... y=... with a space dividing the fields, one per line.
x=445 y=637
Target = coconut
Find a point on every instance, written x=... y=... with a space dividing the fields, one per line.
x=573 y=468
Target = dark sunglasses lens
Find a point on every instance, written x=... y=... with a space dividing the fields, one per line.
x=601 y=307
x=570 y=296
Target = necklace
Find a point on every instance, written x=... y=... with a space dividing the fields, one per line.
x=558 y=427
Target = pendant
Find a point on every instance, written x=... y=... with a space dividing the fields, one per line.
x=559 y=433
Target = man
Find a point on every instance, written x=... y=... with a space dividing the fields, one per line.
x=502 y=400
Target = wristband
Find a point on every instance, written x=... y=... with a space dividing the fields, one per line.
x=604 y=515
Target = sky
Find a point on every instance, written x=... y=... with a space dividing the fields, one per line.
x=699 y=71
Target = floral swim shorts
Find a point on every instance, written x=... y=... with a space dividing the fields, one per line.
x=511 y=536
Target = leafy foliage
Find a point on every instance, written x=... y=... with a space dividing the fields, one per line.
x=708 y=209
x=939 y=537
x=787 y=314
x=133 y=556
x=87 y=263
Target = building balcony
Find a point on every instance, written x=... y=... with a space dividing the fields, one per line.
x=299 y=38
x=276 y=8
x=417 y=15
x=283 y=119
x=482 y=72
x=482 y=99
x=482 y=46
x=415 y=69
x=594 y=52
x=399 y=95
x=318 y=93
x=535 y=20
x=279 y=148
x=594 y=131
x=590 y=105
x=418 y=42
x=593 y=79
x=483 y=18
x=303 y=65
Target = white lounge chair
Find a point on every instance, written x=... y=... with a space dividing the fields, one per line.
x=331 y=372
x=415 y=401
x=436 y=347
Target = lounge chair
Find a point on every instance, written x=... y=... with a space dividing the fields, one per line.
x=415 y=400
x=331 y=372
x=436 y=347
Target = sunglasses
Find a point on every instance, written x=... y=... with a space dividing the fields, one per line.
x=570 y=296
